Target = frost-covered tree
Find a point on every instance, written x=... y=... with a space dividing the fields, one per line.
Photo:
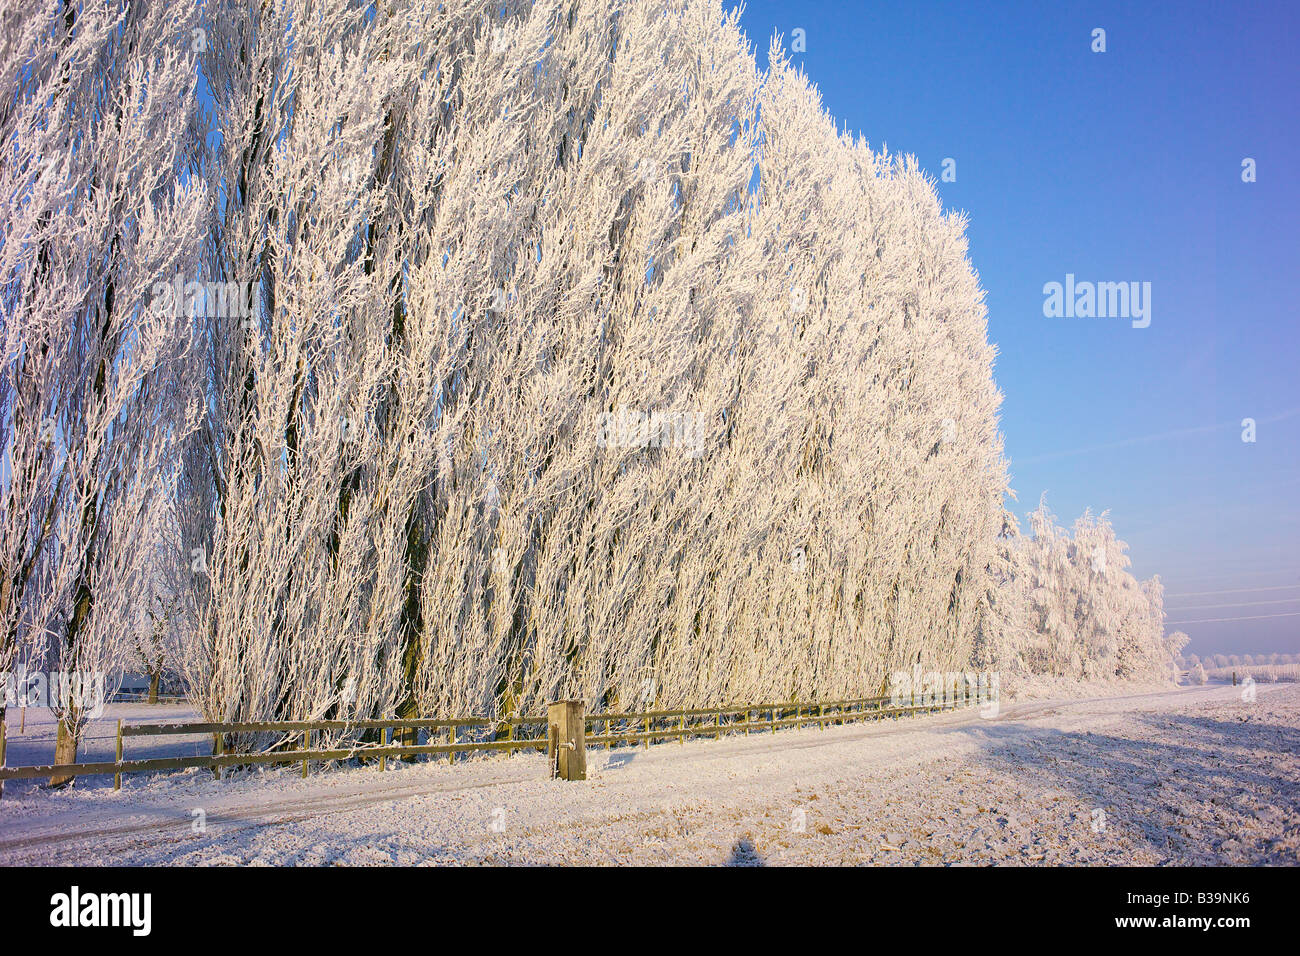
x=1084 y=615
x=163 y=626
x=99 y=132
x=541 y=396
x=539 y=348
x=1174 y=644
x=304 y=493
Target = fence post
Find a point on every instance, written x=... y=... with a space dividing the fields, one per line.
x=566 y=741
x=117 y=777
x=451 y=739
x=773 y=718
x=3 y=734
x=645 y=744
x=821 y=714
x=681 y=738
x=306 y=745
x=383 y=742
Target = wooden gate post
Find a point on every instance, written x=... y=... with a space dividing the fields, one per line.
x=566 y=740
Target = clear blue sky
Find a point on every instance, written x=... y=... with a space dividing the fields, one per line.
x=1117 y=166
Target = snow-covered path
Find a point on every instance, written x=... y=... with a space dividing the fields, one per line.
x=1183 y=776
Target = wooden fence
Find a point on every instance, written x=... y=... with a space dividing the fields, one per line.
x=616 y=728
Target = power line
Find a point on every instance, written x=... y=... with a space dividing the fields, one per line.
x=1219 y=620
x=1227 y=568
x=1202 y=607
x=1280 y=587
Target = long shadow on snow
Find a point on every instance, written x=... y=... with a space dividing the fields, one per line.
x=1206 y=756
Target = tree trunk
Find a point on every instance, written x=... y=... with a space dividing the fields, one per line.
x=153 y=688
x=65 y=751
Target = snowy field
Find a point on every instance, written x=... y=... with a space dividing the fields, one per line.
x=1186 y=776
x=31 y=739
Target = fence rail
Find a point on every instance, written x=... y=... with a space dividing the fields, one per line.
x=649 y=726
x=142 y=697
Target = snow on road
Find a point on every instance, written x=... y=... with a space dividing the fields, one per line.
x=1189 y=776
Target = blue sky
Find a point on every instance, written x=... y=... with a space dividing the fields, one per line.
x=1117 y=166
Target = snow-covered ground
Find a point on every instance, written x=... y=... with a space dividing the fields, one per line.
x=1193 y=775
